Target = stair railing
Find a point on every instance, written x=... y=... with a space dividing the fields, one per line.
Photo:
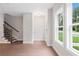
x=8 y=31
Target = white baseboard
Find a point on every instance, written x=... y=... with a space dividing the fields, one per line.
x=38 y=40
x=25 y=42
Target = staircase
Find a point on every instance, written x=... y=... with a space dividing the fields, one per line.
x=8 y=29
x=4 y=41
x=8 y=35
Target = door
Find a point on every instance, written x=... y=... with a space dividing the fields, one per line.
x=39 y=27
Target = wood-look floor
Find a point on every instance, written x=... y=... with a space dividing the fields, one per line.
x=36 y=49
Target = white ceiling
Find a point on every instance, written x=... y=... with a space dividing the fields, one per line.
x=19 y=8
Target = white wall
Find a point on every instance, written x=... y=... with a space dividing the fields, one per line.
x=60 y=49
x=1 y=26
x=48 y=31
x=27 y=28
x=16 y=22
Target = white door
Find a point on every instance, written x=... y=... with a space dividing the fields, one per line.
x=39 y=26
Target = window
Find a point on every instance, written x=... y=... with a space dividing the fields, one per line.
x=75 y=26
x=60 y=28
x=60 y=19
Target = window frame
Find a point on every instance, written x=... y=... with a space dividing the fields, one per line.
x=67 y=44
x=74 y=24
x=60 y=10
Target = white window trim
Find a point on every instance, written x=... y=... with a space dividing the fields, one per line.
x=60 y=26
x=60 y=31
x=60 y=10
x=67 y=26
x=74 y=51
x=71 y=33
x=67 y=29
x=75 y=24
x=77 y=33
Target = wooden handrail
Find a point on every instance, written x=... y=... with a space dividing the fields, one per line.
x=11 y=26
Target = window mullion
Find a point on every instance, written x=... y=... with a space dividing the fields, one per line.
x=68 y=27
